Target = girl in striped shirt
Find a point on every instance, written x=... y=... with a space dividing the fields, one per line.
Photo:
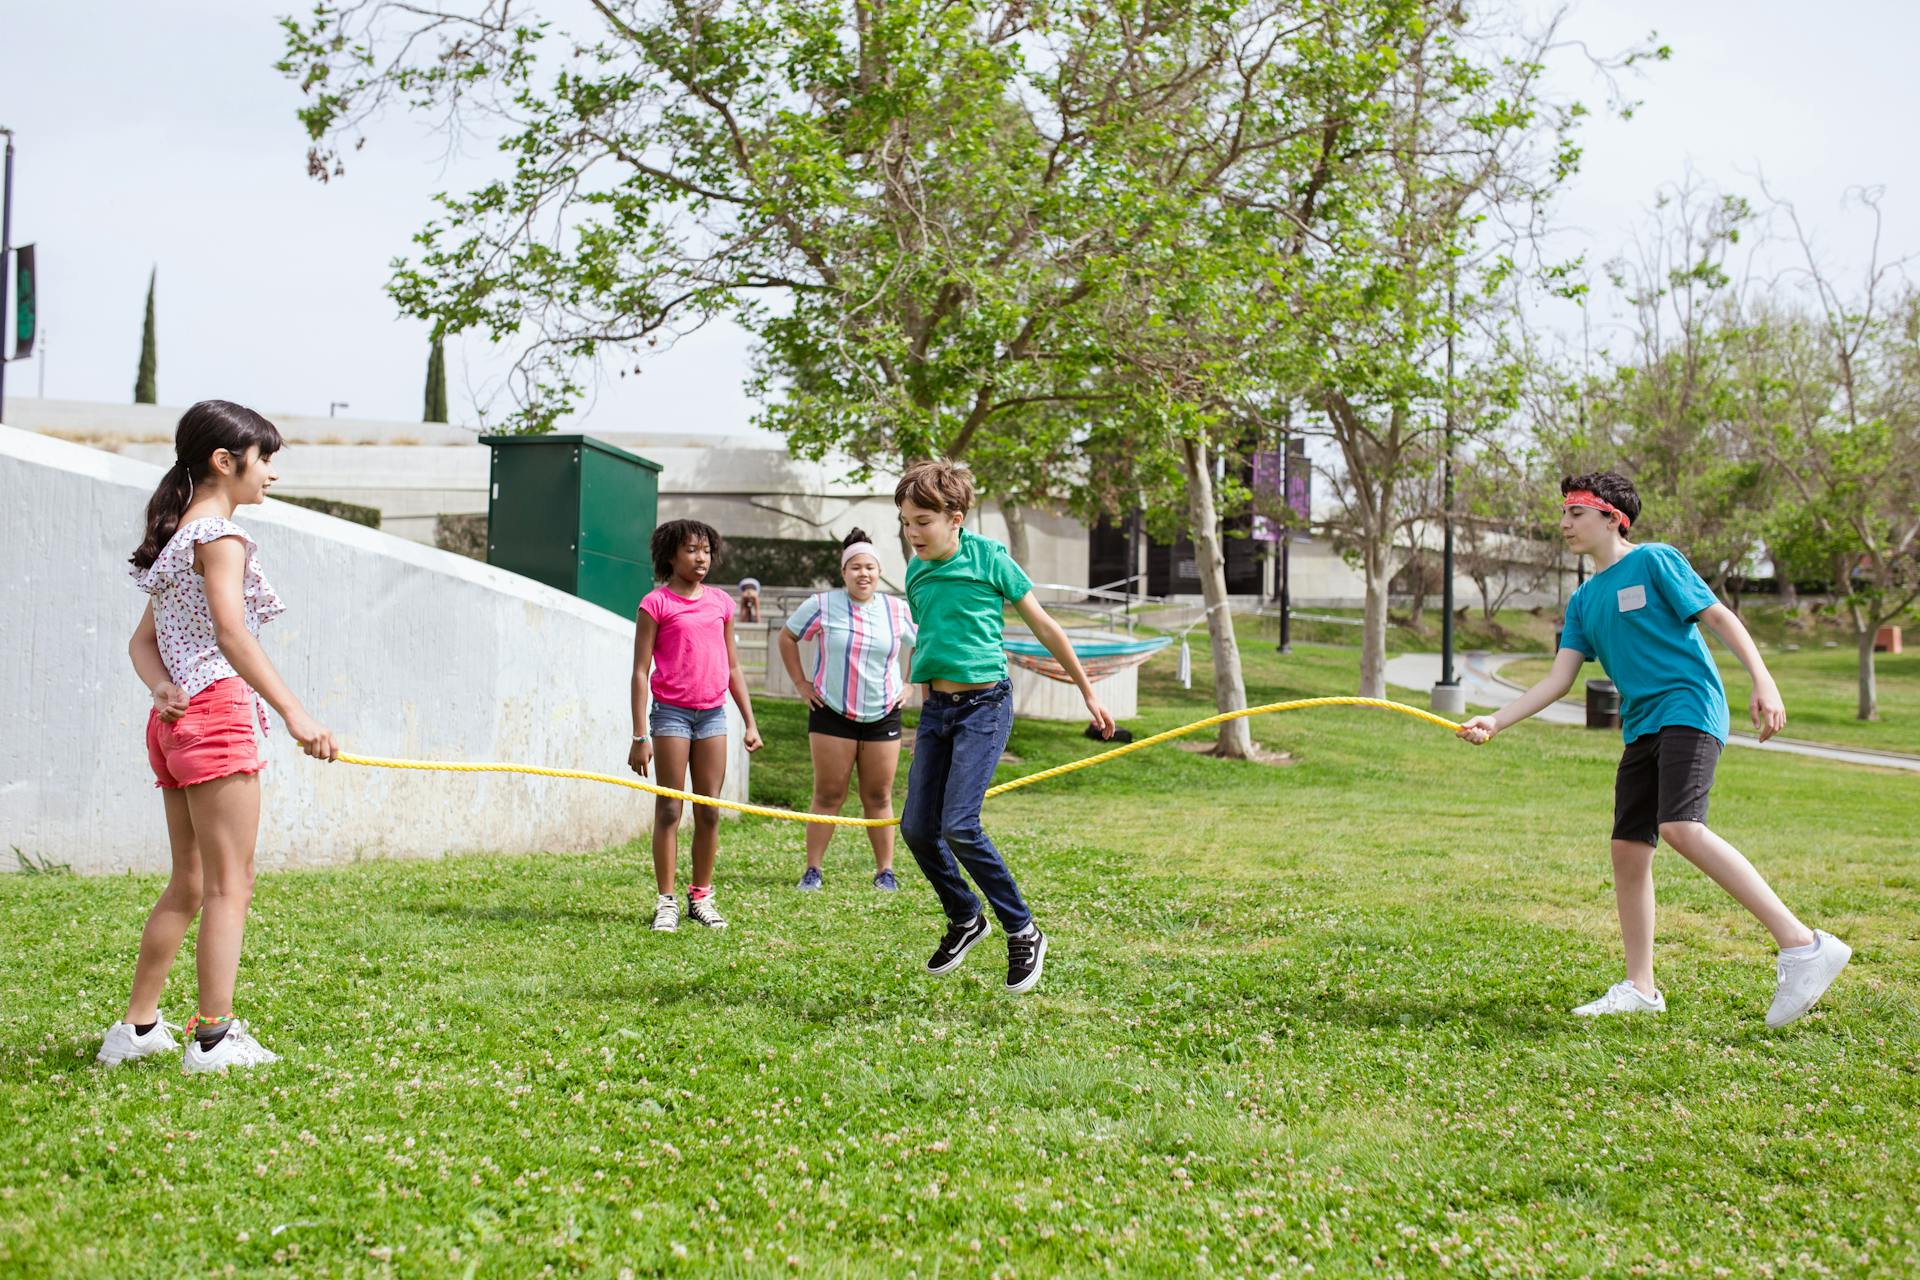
x=854 y=693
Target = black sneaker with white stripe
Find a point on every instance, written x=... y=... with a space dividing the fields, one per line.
x=1026 y=957
x=959 y=940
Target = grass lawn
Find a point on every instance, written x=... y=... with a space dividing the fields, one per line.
x=1296 y=1017
x=1821 y=688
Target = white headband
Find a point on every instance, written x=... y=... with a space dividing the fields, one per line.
x=858 y=549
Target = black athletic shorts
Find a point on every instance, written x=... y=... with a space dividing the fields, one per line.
x=1664 y=777
x=830 y=722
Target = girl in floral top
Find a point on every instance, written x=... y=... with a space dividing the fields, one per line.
x=197 y=649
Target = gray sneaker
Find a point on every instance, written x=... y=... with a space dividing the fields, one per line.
x=884 y=881
x=811 y=880
x=666 y=914
x=1804 y=979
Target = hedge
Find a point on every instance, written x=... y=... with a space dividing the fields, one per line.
x=369 y=516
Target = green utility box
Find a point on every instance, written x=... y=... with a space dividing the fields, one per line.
x=575 y=513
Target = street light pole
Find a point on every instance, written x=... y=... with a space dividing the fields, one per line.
x=6 y=264
x=1286 y=535
x=1448 y=696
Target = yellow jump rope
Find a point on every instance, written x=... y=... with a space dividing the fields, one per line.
x=789 y=815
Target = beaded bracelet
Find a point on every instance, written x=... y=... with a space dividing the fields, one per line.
x=203 y=1020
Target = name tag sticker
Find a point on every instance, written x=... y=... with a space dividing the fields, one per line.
x=1631 y=598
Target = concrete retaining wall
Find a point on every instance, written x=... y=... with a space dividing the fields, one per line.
x=402 y=650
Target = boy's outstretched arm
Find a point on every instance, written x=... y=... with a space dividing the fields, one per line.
x=1048 y=633
x=1769 y=713
x=1566 y=667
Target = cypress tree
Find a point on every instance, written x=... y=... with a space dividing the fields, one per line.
x=144 y=391
x=436 y=384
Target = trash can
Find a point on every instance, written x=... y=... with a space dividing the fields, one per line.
x=575 y=513
x=1603 y=705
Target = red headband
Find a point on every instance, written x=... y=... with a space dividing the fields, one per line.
x=1583 y=498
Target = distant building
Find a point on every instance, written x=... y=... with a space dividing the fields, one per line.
x=413 y=472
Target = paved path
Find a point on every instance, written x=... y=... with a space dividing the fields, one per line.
x=1480 y=673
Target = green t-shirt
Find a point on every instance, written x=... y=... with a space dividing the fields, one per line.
x=957 y=605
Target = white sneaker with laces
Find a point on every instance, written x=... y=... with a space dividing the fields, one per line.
x=1622 y=997
x=705 y=912
x=666 y=914
x=123 y=1044
x=237 y=1048
x=1804 y=979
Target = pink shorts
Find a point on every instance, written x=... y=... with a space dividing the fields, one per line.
x=212 y=740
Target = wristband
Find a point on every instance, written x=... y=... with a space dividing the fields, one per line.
x=641 y=737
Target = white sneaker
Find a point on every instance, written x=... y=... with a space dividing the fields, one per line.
x=237 y=1048
x=1622 y=997
x=666 y=914
x=1804 y=979
x=705 y=912
x=122 y=1044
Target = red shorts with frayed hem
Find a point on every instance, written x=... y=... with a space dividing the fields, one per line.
x=214 y=739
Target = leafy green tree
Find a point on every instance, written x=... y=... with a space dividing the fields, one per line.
x=1434 y=231
x=1669 y=405
x=1833 y=399
x=921 y=210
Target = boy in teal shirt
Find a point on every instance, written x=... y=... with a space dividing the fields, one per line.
x=958 y=585
x=1637 y=616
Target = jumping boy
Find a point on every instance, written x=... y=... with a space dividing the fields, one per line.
x=1637 y=616
x=958 y=585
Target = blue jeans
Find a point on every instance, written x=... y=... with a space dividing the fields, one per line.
x=955 y=750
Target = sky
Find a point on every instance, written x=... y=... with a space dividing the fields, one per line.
x=159 y=137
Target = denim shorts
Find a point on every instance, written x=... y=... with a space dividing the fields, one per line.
x=669 y=721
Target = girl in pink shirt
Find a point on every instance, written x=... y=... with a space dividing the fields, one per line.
x=684 y=633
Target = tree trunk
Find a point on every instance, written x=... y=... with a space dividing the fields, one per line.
x=1229 y=686
x=1016 y=518
x=1417 y=606
x=1869 y=708
x=1783 y=583
x=1375 y=554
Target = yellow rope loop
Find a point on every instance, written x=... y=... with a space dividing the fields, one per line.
x=540 y=771
x=789 y=815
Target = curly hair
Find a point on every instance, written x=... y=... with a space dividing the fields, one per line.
x=675 y=534
x=1611 y=487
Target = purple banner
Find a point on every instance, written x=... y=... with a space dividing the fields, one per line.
x=1269 y=485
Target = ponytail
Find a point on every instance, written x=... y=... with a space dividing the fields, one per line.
x=164 y=509
x=207 y=427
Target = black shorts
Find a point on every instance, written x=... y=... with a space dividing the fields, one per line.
x=830 y=722
x=1664 y=777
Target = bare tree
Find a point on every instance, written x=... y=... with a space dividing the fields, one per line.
x=1833 y=397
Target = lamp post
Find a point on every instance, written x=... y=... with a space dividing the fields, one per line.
x=1449 y=698
x=1286 y=533
x=6 y=263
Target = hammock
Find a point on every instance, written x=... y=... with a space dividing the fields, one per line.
x=1099 y=658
